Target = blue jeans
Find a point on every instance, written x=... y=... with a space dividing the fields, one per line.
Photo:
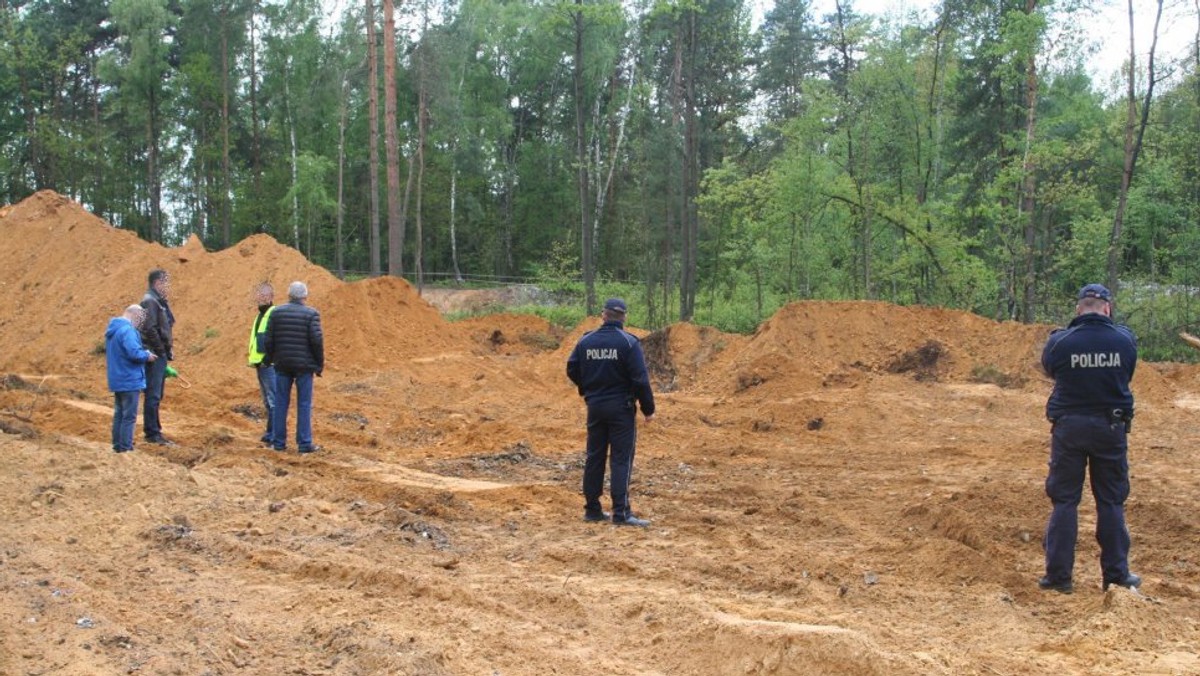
x=1090 y=442
x=124 y=417
x=611 y=426
x=266 y=386
x=283 y=396
x=156 y=377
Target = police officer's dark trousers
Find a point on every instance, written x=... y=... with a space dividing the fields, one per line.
x=1077 y=442
x=611 y=435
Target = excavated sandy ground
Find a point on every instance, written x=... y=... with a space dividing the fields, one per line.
x=856 y=489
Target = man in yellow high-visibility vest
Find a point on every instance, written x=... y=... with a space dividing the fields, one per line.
x=264 y=298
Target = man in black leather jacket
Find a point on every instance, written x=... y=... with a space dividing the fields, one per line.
x=157 y=335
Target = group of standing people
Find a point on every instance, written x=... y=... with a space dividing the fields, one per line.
x=1092 y=362
x=138 y=345
x=287 y=349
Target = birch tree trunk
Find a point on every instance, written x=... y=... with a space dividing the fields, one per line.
x=587 y=256
x=226 y=182
x=1027 y=209
x=1135 y=130
x=338 y=258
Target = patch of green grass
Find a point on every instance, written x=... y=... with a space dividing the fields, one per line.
x=987 y=373
x=562 y=316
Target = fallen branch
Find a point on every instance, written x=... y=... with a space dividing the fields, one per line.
x=1190 y=339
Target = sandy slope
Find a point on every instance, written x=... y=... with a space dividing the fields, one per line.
x=847 y=491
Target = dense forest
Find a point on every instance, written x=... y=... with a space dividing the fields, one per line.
x=713 y=159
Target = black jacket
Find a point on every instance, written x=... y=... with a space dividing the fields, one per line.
x=294 y=341
x=158 y=328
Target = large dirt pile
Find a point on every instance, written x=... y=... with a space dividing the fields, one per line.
x=64 y=272
x=813 y=344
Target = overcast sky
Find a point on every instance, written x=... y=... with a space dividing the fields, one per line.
x=1107 y=26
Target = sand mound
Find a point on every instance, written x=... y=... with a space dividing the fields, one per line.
x=811 y=344
x=512 y=334
x=65 y=272
x=587 y=325
x=677 y=354
x=731 y=644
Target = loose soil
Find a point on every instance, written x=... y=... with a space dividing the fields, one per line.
x=854 y=489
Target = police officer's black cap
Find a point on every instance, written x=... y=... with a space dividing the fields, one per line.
x=615 y=305
x=1095 y=291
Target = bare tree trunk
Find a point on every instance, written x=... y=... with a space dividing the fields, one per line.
x=408 y=188
x=100 y=202
x=453 y=233
x=226 y=200
x=1029 y=185
x=846 y=63
x=674 y=216
x=581 y=170
x=287 y=96
x=395 y=221
x=338 y=259
x=422 y=132
x=153 y=185
x=689 y=223
x=602 y=190
x=373 y=135
x=1135 y=130
x=255 y=141
x=454 y=146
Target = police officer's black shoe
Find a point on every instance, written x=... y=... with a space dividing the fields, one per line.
x=596 y=515
x=1129 y=582
x=1046 y=584
x=630 y=520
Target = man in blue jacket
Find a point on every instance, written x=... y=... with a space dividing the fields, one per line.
x=295 y=346
x=1092 y=361
x=126 y=372
x=609 y=369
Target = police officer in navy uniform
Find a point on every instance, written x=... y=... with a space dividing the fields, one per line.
x=610 y=370
x=1092 y=361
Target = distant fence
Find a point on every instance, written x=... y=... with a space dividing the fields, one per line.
x=466 y=279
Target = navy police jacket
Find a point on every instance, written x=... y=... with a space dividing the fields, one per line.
x=1092 y=362
x=608 y=367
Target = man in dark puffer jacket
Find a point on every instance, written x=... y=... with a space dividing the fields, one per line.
x=296 y=347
